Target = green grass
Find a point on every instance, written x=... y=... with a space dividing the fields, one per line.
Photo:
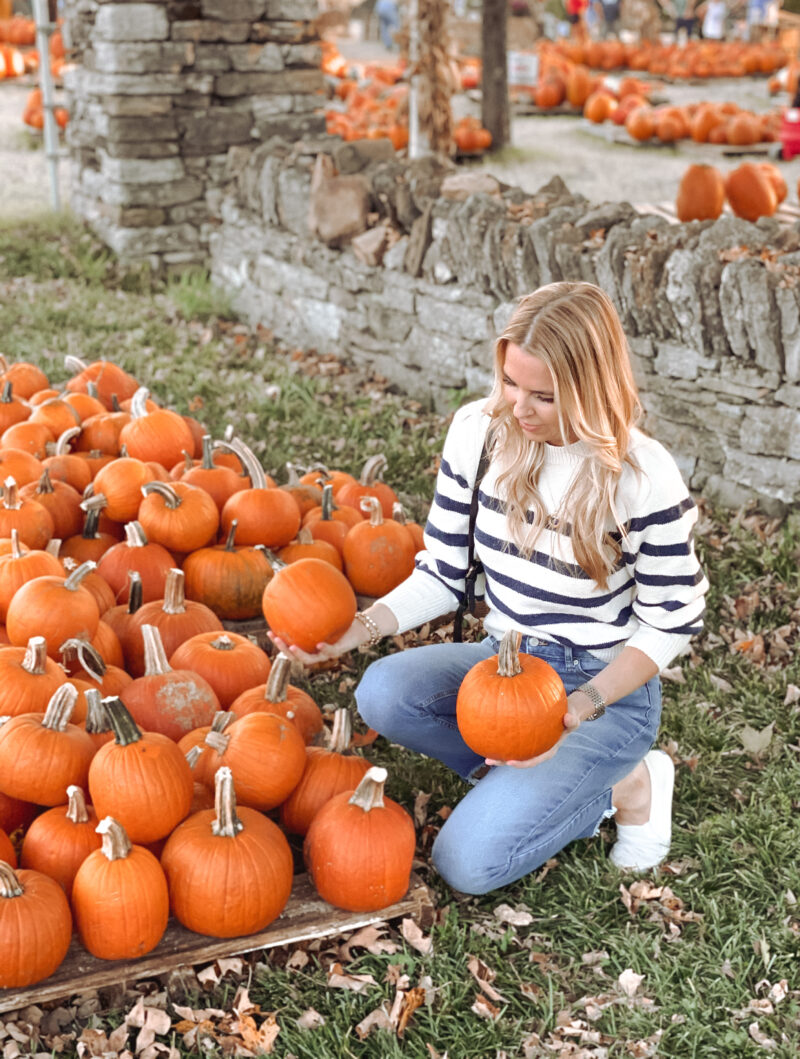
x=733 y=924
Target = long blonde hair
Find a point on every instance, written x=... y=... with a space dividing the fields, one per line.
x=575 y=330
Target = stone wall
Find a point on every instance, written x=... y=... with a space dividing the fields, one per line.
x=160 y=91
x=712 y=309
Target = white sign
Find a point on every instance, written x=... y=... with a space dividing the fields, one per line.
x=523 y=68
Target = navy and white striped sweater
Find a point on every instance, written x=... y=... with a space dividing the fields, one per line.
x=654 y=598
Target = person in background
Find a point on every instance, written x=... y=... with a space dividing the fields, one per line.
x=576 y=15
x=683 y=11
x=388 y=21
x=756 y=19
x=610 y=11
x=715 y=16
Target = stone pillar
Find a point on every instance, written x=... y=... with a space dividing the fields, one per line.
x=159 y=93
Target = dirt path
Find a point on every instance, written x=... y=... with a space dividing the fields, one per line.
x=24 y=175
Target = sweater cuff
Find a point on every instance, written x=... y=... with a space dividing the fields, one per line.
x=418 y=599
x=660 y=646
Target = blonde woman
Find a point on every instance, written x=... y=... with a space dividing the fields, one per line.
x=584 y=532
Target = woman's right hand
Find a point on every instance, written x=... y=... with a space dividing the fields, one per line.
x=325 y=652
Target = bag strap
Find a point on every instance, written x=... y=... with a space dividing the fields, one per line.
x=474 y=566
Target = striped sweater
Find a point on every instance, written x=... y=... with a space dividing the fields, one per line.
x=654 y=598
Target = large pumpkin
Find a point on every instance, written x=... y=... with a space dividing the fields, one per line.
x=511 y=706
x=229 y=871
x=750 y=192
x=360 y=847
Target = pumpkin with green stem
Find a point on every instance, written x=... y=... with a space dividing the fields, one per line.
x=141 y=778
x=61 y=500
x=12 y=408
x=229 y=869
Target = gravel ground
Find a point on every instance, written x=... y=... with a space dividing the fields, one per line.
x=542 y=147
x=24 y=173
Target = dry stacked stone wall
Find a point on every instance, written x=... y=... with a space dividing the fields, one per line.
x=712 y=309
x=161 y=91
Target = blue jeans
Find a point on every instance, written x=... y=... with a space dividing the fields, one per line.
x=512 y=820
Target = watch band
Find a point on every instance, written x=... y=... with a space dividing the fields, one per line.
x=591 y=692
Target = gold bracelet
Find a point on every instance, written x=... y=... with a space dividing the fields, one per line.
x=375 y=634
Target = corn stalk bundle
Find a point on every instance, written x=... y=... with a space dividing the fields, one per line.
x=435 y=76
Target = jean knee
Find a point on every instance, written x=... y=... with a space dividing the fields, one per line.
x=376 y=694
x=457 y=863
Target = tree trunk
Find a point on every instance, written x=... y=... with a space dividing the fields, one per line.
x=494 y=85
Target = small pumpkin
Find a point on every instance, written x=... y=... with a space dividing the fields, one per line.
x=369 y=485
x=120 y=897
x=229 y=580
x=511 y=707
x=58 y=841
x=750 y=192
x=159 y=435
x=229 y=662
x=32 y=520
x=308 y=602
x=701 y=194
x=278 y=696
x=28 y=678
x=179 y=516
x=35 y=927
x=265 y=514
x=137 y=552
x=378 y=554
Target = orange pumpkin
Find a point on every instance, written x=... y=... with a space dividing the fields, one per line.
x=750 y=192
x=701 y=194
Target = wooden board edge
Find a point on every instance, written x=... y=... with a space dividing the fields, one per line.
x=104 y=973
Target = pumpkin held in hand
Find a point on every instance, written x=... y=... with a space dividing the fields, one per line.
x=511 y=707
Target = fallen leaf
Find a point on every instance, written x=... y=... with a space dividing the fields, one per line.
x=415 y=938
x=720 y=683
x=298 y=960
x=376 y=1020
x=370 y=938
x=761 y=1038
x=412 y=1000
x=629 y=981
x=421 y=807
x=310 y=1020
x=754 y=741
x=358 y=983
x=507 y=914
x=792 y=695
x=591 y=959
x=675 y=675
x=484 y=976
x=485 y=1008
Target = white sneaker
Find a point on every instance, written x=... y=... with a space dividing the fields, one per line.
x=642 y=846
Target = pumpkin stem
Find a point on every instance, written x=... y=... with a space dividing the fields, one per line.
x=372 y=468
x=170 y=496
x=45 y=484
x=305 y=536
x=60 y=707
x=399 y=513
x=73 y=582
x=369 y=793
x=327 y=503
x=217 y=741
x=139 y=403
x=135 y=597
x=223 y=643
x=122 y=724
x=508 y=663
x=10 y=886
x=97 y=720
x=7 y=397
x=221 y=720
x=11 y=500
x=76 y=809
x=62 y=443
x=116 y=844
x=174 y=594
x=88 y=657
x=54 y=546
x=292 y=477
x=227 y=824
x=188 y=461
x=341 y=732
x=16 y=546
x=115 y=405
x=193 y=756
x=278 y=680
x=135 y=536
x=35 y=660
x=74 y=364
x=371 y=506
x=230 y=541
x=273 y=560
x=91 y=389
x=155 y=657
x=207 y=462
x=248 y=460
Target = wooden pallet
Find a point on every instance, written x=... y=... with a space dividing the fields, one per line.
x=305 y=917
x=617 y=134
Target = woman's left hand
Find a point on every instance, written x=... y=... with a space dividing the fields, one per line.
x=577 y=712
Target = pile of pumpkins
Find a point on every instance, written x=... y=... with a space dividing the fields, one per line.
x=752 y=190
x=126 y=539
x=694 y=59
x=18 y=57
x=718 y=123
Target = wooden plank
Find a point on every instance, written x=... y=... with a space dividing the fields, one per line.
x=305 y=917
x=786 y=214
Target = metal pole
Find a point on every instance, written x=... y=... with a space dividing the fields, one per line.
x=44 y=27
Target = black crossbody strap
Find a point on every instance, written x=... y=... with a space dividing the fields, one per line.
x=474 y=566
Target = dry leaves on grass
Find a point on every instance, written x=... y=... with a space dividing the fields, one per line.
x=407 y=1000
x=243 y=1031
x=662 y=905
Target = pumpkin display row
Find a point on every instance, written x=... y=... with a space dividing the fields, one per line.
x=753 y=190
